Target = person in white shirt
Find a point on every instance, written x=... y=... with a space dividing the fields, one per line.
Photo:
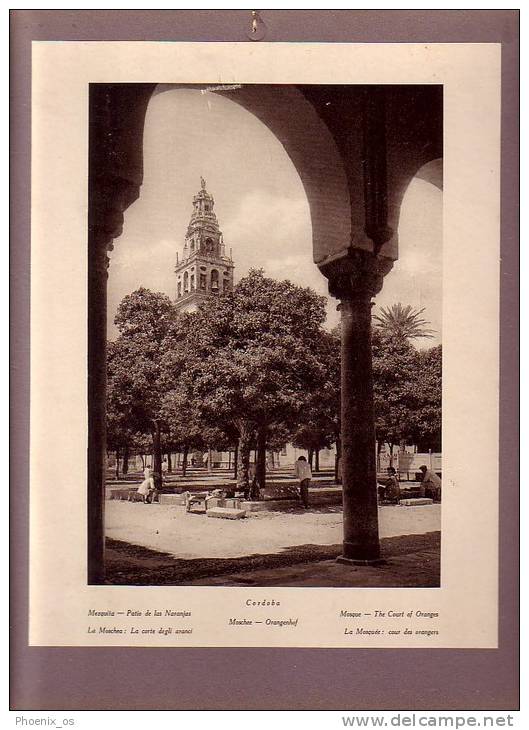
x=304 y=474
x=146 y=488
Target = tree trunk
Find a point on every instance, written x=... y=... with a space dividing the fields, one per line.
x=402 y=450
x=236 y=459
x=184 y=460
x=391 y=446
x=337 y=477
x=169 y=463
x=380 y=444
x=317 y=463
x=260 y=471
x=243 y=456
x=157 y=455
x=126 y=460
x=142 y=457
x=311 y=456
x=117 y=464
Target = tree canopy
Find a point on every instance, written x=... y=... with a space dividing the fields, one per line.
x=407 y=392
x=249 y=359
x=135 y=387
x=255 y=368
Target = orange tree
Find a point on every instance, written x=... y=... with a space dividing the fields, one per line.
x=135 y=389
x=249 y=360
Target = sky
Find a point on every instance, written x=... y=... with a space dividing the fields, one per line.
x=260 y=205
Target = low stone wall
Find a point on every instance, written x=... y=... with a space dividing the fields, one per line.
x=121 y=493
x=317 y=496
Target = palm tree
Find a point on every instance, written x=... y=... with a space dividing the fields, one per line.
x=402 y=323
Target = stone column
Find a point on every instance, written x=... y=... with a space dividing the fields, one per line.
x=97 y=377
x=109 y=197
x=117 y=115
x=355 y=282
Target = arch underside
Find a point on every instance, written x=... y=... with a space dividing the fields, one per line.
x=323 y=131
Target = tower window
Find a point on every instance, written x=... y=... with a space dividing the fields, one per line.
x=203 y=281
x=179 y=289
x=192 y=282
x=209 y=246
x=186 y=282
x=214 y=280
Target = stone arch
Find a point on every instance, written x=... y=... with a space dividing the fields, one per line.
x=414 y=146
x=291 y=117
x=209 y=246
x=355 y=148
x=432 y=172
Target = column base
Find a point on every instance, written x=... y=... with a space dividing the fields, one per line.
x=363 y=551
x=352 y=561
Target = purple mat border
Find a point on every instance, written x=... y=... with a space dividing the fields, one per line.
x=47 y=678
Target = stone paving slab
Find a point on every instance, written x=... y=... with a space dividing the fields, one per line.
x=226 y=513
x=174 y=499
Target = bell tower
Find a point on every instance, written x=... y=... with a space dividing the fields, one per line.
x=204 y=270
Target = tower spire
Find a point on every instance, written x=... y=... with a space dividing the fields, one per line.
x=202 y=183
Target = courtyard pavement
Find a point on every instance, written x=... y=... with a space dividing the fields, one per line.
x=162 y=544
x=170 y=529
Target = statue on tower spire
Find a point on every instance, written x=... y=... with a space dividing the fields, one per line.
x=202 y=183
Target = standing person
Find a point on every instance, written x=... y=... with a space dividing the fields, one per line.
x=431 y=483
x=304 y=474
x=165 y=467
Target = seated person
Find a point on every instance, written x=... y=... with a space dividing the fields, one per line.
x=392 y=487
x=431 y=484
x=146 y=488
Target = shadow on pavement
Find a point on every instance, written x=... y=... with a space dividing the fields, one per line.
x=128 y=564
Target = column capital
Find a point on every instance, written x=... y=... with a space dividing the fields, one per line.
x=357 y=276
x=109 y=197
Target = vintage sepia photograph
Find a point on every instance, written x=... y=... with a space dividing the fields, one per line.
x=265 y=374
x=266 y=393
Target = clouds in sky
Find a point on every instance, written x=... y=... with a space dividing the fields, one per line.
x=260 y=203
